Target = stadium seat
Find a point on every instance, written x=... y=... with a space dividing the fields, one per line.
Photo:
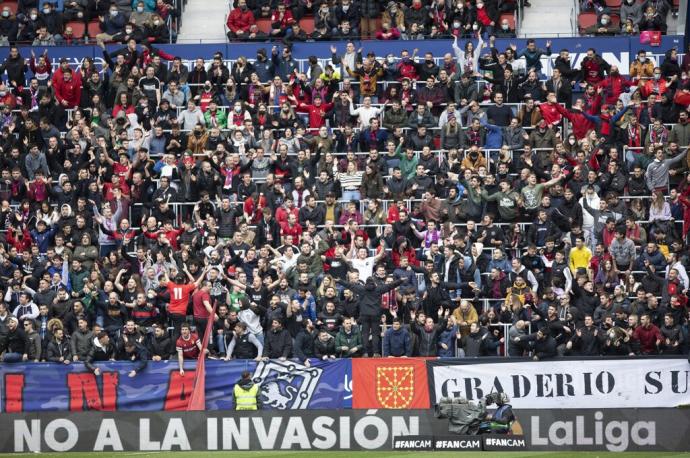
x=78 y=29
x=93 y=29
x=613 y=4
x=264 y=24
x=511 y=19
x=307 y=24
x=616 y=20
x=586 y=20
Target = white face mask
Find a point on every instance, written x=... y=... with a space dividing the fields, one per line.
x=5 y=14
x=33 y=17
x=505 y=27
x=391 y=59
x=140 y=9
x=113 y=13
x=46 y=11
x=128 y=31
x=456 y=25
x=604 y=21
x=156 y=22
x=475 y=27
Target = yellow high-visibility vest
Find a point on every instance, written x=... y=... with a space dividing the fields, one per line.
x=246 y=399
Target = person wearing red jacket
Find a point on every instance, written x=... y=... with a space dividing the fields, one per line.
x=20 y=240
x=648 y=335
x=407 y=68
x=68 y=89
x=580 y=124
x=656 y=85
x=614 y=85
x=548 y=110
x=317 y=112
x=282 y=22
x=239 y=21
x=593 y=68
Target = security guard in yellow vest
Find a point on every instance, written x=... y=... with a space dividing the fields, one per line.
x=246 y=393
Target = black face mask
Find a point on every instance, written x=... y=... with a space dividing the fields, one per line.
x=197 y=133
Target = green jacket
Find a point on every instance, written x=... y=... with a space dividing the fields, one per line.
x=221 y=118
x=351 y=340
x=77 y=279
x=408 y=167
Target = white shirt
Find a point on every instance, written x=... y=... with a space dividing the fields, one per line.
x=365 y=267
x=364 y=114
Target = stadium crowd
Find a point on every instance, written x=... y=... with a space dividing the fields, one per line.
x=371 y=205
x=69 y=22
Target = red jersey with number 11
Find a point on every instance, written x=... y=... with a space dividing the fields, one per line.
x=179 y=297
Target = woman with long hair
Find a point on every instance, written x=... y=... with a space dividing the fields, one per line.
x=350 y=182
x=607 y=277
x=659 y=209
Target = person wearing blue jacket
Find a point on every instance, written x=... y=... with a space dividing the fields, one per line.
x=494 y=137
x=397 y=341
x=447 y=338
x=532 y=55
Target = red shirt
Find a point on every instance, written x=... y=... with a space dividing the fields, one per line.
x=198 y=299
x=317 y=114
x=179 y=297
x=189 y=347
x=550 y=113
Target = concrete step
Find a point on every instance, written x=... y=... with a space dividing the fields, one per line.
x=204 y=20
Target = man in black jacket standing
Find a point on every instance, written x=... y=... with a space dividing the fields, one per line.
x=15 y=345
x=159 y=345
x=278 y=344
x=370 y=309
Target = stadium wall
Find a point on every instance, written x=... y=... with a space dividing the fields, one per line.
x=616 y=50
x=643 y=430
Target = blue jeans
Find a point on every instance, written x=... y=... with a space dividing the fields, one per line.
x=220 y=343
x=260 y=337
x=351 y=195
x=12 y=358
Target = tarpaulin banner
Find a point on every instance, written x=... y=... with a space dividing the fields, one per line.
x=567 y=384
x=620 y=51
x=35 y=387
x=390 y=383
x=619 y=430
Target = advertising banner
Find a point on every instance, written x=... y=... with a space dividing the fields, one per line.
x=284 y=384
x=567 y=384
x=644 y=430
x=616 y=50
x=390 y=383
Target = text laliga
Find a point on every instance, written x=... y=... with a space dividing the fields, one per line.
x=614 y=435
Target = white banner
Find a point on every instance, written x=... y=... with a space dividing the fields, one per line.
x=584 y=384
